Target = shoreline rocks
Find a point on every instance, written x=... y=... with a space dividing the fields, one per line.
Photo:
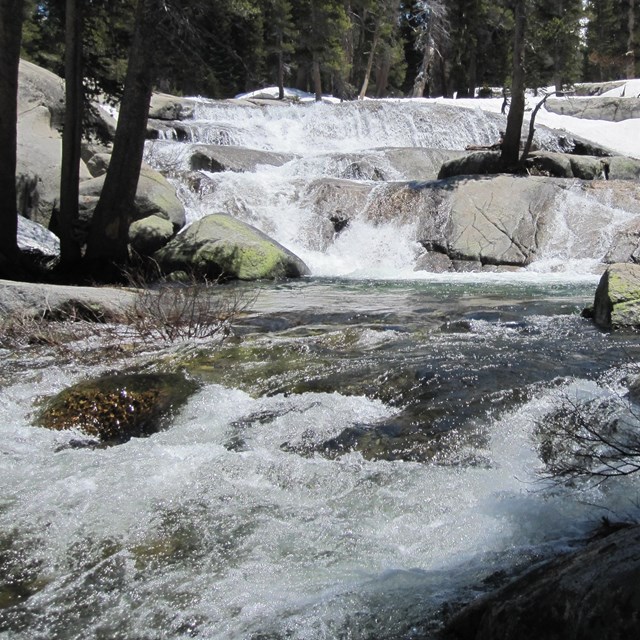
x=617 y=299
x=590 y=594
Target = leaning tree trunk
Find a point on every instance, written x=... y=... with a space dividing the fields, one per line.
x=367 y=73
x=420 y=82
x=71 y=137
x=11 y=16
x=511 y=140
x=107 y=249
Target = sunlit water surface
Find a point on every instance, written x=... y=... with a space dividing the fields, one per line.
x=259 y=515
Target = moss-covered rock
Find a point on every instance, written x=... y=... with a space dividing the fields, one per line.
x=148 y=235
x=623 y=168
x=117 y=408
x=617 y=299
x=220 y=245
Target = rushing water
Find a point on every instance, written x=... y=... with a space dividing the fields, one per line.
x=362 y=451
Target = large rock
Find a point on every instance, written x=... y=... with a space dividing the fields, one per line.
x=599 y=108
x=591 y=594
x=498 y=220
x=39 y=144
x=167 y=107
x=56 y=301
x=623 y=168
x=154 y=196
x=419 y=163
x=596 y=88
x=116 y=408
x=221 y=246
x=477 y=163
x=391 y=163
x=149 y=234
x=617 y=299
x=216 y=158
x=38 y=87
x=40 y=245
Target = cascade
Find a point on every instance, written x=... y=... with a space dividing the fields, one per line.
x=326 y=181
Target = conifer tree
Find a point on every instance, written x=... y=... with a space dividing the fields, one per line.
x=11 y=15
x=612 y=35
x=554 y=44
x=322 y=25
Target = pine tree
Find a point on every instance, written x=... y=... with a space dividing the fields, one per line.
x=279 y=36
x=322 y=26
x=613 y=31
x=554 y=43
x=107 y=246
x=11 y=15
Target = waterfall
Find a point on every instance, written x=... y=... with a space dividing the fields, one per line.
x=329 y=182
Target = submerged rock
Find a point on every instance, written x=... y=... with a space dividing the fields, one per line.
x=116 y=408
x=219 y=245
x=617 y=299
x=592 y=594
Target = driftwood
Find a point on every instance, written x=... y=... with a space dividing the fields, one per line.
x=484 y=147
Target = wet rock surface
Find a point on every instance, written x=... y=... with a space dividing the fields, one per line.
x=591 y=594
x=116 y=408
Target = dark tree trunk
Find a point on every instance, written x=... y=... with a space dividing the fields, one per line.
x=317 y=78
x=11 y=16
x=107 y=249
x=71 y=137
x=420 y=82
x=280 y=71
x=382 y=77
x=511 y=140
x=370 y=58
x=631 y=29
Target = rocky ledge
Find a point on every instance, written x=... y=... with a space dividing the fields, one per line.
x=590 y=594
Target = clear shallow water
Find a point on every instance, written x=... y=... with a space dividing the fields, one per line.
x=246 y=520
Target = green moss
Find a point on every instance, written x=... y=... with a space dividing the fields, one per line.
x=623 y=287
x=626 y=315
x=117 y=408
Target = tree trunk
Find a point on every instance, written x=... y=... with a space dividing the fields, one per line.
x=423 y=74
x=280 y=71
x=107 y=249
x=317 y=78
x=630 y=55
x=71 y=137
x=11 y=16
x=382 y=78
x=372 y=53
x=511 y=140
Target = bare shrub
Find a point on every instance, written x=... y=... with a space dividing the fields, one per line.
x=196 y=309
x=594 y=439
x=51 y=329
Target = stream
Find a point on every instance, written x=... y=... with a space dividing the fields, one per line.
x=364 y=451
